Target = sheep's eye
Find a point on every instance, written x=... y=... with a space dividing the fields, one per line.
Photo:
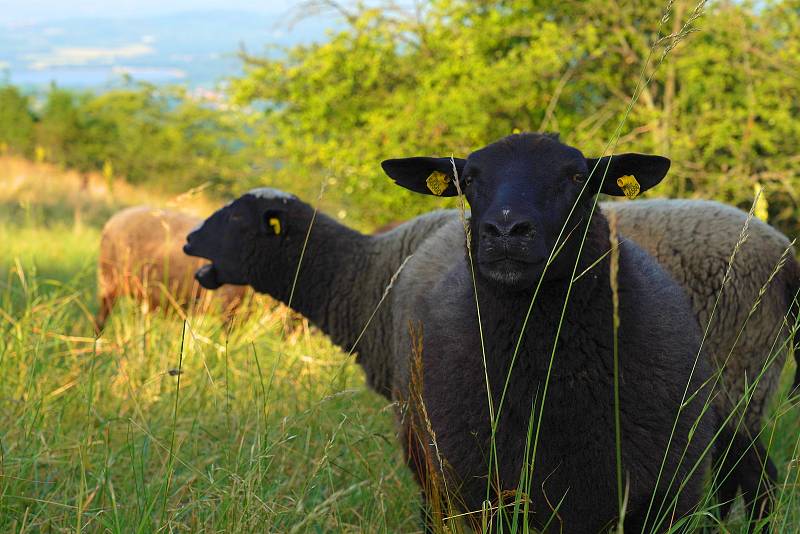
x=467 y=180
x=578 y=178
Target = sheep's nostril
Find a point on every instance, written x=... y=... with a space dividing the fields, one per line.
x=191 y=241
x=492 y=230
x=522 y=229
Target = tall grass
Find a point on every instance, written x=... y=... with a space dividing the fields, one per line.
x=269 y=430
x=197 y=425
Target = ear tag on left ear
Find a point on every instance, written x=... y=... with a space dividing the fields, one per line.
x=437 y=182
x=629 y=185
x=275 y=223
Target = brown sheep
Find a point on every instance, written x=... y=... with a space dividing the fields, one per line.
x=141 y=255
x=388 y=227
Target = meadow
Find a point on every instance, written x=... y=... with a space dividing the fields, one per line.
x=181 y=423
x=164 y=424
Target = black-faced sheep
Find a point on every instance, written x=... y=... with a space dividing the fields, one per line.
x=259 y=240
x=694 y=240
x=141 y=256
x=706 y=258
x=523 y=190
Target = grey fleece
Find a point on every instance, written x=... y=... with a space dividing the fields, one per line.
x=387 y=251
x=694 y=240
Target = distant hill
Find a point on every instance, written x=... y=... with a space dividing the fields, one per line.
x=195 y=48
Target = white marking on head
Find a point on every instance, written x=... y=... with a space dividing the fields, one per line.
x=270 y=193
x=506 y=213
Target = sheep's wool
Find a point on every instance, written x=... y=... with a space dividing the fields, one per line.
x=270 y=193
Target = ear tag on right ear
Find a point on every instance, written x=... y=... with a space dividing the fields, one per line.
x=275 y=223
x=437 y=182
x=629 y=185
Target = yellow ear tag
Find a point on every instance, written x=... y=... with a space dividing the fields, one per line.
x=437 y=182
x=629 y=186
x=275 y=223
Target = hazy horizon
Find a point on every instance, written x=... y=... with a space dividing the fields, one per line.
x=42 y=11
x=97 y=46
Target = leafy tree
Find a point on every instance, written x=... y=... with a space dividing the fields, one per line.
x=16 y=121
x=163 y=136
x=146 y=134
x=59 y=128
x=721 y=100
x=458 y=74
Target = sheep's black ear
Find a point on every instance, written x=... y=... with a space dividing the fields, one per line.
x=628 y=174
x=272 y=222
x=429 y=176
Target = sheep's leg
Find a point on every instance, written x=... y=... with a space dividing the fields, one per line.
x=431 y=521
x=418 y=459
x=746 y=466
x=757 y=479
x=106 y=304
x=431 y=506
x=686 y=502
x=726 y=493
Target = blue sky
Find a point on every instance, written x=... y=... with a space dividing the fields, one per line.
x=25 y=11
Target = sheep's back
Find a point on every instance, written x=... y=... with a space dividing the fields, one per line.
x=694 y=240
x=431 y=263
x=391 y=248
x=141 y=253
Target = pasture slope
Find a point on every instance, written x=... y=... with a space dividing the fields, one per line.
x=171 y=425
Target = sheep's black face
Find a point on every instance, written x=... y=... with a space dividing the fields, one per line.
x=254 y=221
x=522 y=191
x=528 y=194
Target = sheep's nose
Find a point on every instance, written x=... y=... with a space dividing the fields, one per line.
x=508 y=228
x=187 y=248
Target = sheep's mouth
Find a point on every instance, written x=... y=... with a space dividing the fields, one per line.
x=512 y=273
x=207 y=277
x=509 y=261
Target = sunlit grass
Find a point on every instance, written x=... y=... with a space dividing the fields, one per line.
x=258 y=440
x=274 y=429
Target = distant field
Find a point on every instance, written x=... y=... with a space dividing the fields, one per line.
x=161 y=426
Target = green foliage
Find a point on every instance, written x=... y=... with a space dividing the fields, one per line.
x=16 y=122
x=159 y=136
x=721 y=102
x=60 y=127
